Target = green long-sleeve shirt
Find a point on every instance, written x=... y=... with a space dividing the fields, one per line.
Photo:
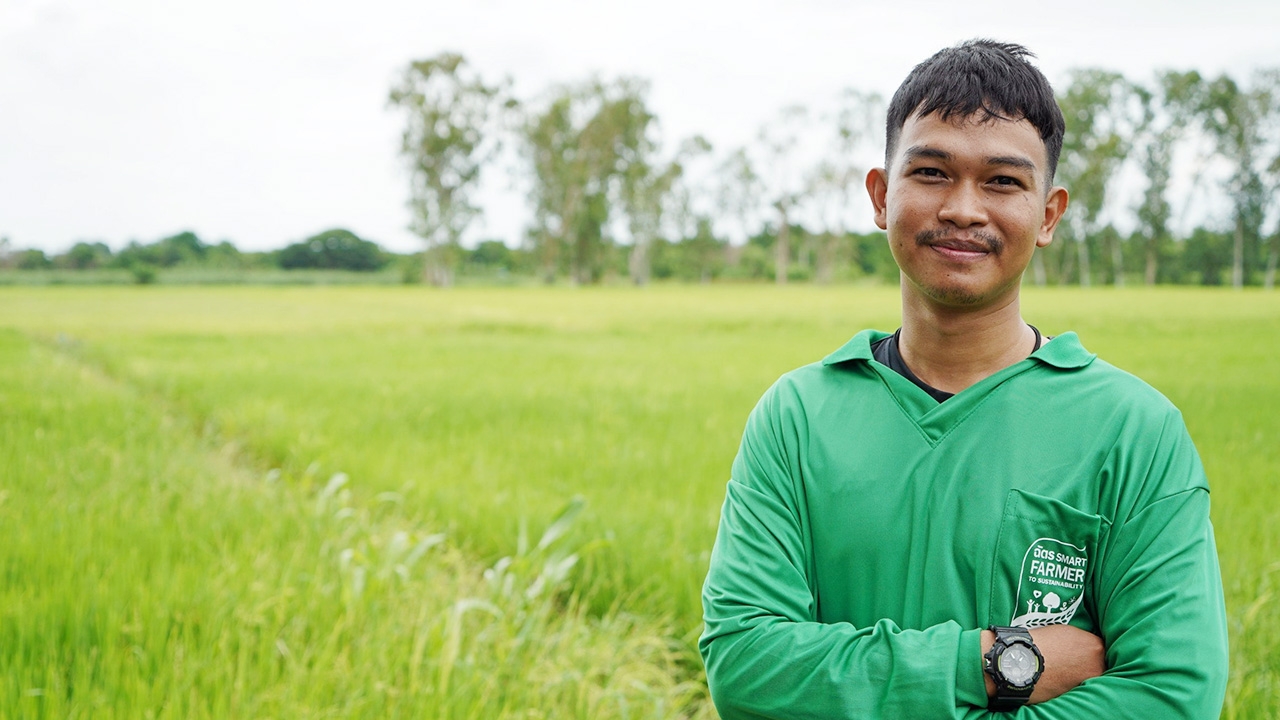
x=869 y=533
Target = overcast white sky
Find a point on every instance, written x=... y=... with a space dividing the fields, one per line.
x=265 y=121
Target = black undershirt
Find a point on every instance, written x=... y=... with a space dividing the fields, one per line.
x=886 y=352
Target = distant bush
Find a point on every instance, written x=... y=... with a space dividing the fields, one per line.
x=32 y=260
x=144 y=274
x=85 y=256
x=333 y=250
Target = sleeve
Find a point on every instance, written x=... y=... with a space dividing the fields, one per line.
x=766 y=654
x=1160 y=604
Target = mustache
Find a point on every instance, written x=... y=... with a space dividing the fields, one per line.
x=973 y=239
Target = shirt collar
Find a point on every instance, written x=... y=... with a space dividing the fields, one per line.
x=1064 y=351
x=859 y=348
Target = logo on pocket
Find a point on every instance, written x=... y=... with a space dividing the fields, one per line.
x=1051 y=584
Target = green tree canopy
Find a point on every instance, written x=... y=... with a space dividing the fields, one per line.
x=580 y=148
x=336 y=249
x=449 y=135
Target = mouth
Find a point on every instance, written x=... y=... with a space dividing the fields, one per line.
x=971 y=247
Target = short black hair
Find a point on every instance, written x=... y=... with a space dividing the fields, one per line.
x=979 y=77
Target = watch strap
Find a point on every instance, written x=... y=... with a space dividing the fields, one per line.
x=1009 y=696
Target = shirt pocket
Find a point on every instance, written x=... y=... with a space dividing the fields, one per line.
x=1043 y=569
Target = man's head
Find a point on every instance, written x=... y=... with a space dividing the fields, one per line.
x=966 y=193
x=981 y=80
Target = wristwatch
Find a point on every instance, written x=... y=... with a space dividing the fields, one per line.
x=1015 y=664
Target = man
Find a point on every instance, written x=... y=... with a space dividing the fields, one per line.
x=965 y=517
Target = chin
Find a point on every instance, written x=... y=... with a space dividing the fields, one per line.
x=956 y=296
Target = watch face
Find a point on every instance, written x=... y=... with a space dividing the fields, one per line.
x=1018 y=665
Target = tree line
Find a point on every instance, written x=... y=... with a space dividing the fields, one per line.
x=336 y=249
x=608 y=197
x=702 y=257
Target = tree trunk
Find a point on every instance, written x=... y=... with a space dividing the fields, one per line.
x=1237 y=257
x=548 y=247
x=826 y=258
x=434 y=270
x=1153 y=258
x=782 y=246
x=638 y=263
x=1037 y=268
x=1065 y=265
x=1273 y=254
x=1082 y=249
x=1117 y=262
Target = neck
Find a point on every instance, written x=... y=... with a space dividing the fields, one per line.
x=951 y=349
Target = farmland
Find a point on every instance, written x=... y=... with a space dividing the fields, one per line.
x=477 y=503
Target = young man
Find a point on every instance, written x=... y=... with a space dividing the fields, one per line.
x=965 y=516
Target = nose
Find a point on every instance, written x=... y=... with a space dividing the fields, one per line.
x=963 y=206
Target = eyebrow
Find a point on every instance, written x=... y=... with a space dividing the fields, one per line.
x=917 y=152
x=1013 y=161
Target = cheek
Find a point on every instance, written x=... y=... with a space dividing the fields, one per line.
x=904 y=210
x=1022 y=217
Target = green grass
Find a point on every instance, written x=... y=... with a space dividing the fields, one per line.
x=476 y=413
x=149 y=572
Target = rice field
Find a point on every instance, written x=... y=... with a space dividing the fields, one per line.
x=477 y=503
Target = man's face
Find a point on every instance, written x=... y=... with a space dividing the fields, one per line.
x=965 y=204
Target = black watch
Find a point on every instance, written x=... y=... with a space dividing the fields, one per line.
x=1015 y=664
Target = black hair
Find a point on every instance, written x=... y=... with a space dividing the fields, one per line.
x=990 y=79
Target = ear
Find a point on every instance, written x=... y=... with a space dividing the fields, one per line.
x=877 y=188
x=1054 y=207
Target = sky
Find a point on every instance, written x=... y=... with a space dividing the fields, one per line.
x=264 y=122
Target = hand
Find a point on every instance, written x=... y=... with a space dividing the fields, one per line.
x=1071 y=656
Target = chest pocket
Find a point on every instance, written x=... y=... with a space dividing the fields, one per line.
x=1042 y=573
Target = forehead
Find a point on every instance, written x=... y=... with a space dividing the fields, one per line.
x=978 y=138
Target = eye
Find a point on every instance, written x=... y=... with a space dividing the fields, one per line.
x=930 y=172
x=1007 y=181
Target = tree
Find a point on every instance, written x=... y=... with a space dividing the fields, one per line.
x=336 y=249
x=32 y=259
x=1239 y=120
x=827 y=189
x=493 y=254
x=784 y=183
x=1273 y=243
x=1270 y=80
x=833 y=182
x=183 y=248
x=224 y=255
x=85 y=256
x=1101 y=111
x=580 y=148
x=1207 y=254
x=449 y=135
x=1166 y=111
x=737 y=193
x=706 y=254
x=647 y=191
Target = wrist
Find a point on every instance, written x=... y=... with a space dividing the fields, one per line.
x=986 y=639
x=1013 y=664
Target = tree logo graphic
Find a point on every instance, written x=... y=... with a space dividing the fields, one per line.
x=1051 y=584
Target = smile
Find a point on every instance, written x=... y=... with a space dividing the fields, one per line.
x=961 y=250
x=971 y=246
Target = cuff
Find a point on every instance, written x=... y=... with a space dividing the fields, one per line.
x=971 y=688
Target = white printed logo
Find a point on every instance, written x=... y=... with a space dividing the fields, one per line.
x=1051 y=584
